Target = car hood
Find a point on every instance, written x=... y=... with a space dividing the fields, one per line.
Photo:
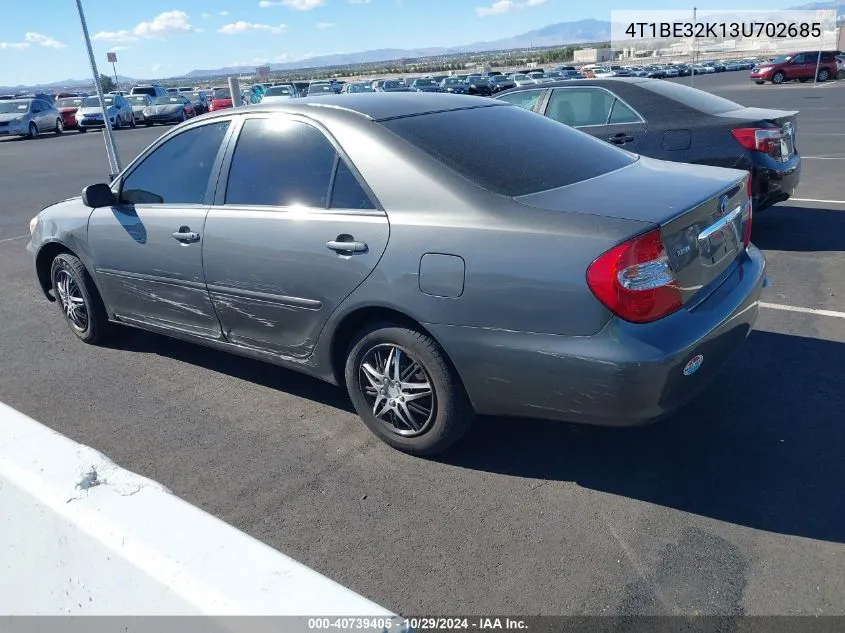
x=95 y=110
x=166 y=108
x=12 y=115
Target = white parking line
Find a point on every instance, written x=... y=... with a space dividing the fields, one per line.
x=817 y=200
x=785 y=308
x=822 y=133
x=823 y=157
x=12 y=239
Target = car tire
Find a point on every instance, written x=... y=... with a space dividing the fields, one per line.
x=439 y=418
x=824 y=74
x=60 y=127
x=78 y=299
x=132 y=123
x=759 y=83
x=32 y=131
x=81 y=130
x=779 y=77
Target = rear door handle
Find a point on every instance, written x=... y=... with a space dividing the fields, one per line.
x=621 y=138
x=186 y=235
x=347 y=247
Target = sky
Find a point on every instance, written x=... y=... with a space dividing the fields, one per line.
x=166 y=38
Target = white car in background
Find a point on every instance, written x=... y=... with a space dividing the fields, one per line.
x=276 y=94
x=603 y=73
x=840 y=66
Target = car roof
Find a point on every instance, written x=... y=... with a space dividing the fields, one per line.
x=585 y=82
x=378 y=106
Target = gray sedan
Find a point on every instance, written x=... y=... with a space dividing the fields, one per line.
x=29 y=117
x=396 y=247
x=139 y=103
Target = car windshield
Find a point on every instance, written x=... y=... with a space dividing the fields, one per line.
x=320 y=88
x=195 y=95
x=94 y=102
x=167 y=100
x=500 y=79
x=360 y=88
x=222 y=93
x=521 y=78
x=139 y=99
x=451 y=81
x=475 y=79
x=393 y=84
x=278 y=91
x=10 y=107
x=69 y=103
x=556 y=156
x=424 y=82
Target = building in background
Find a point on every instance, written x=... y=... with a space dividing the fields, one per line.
x=593 y=55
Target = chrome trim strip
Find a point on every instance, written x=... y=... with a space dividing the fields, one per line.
x=719 y=224
x=236 y=293
x=195 y=285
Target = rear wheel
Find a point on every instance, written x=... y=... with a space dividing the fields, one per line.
x=778 y=77
x=132 y=122
x=60 y=127
x=78 y=299
x=824 y=74
x=32 y=131
x=406 y=391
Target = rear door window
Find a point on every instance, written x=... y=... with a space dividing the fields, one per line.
x=541 y=154
x=524 y=99
x=581 y=106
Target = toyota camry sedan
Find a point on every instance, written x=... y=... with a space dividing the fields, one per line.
x=395 y=247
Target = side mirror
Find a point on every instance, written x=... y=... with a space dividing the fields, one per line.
x=99 y=195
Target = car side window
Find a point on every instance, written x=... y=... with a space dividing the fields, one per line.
x=347 y=192
x=580 y=106
x=621 y=113
x=524 y=99
x=799 y=59
x=178 y=171
x=36 y=107
x=280 y=162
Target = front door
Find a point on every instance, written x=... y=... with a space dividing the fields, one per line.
x=598 y=112
x=294 y=234
x=147 y=249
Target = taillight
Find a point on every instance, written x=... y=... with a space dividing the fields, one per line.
x=759 y=139
x=746 y=238
x=635 y=281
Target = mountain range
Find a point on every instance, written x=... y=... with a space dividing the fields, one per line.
x=562 y=33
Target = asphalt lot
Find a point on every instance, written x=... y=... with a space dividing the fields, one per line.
x=734 y=506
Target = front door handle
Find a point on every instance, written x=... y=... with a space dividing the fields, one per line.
x=621 y=138
x=347 y=245
x=186 y=235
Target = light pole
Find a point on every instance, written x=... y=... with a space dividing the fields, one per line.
x=111 y=148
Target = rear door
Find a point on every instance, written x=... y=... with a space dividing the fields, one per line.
x=292 y=233
x=598 y=112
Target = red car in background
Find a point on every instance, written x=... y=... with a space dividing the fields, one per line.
x=800 y=66
x=221 y=99
x=67 y=107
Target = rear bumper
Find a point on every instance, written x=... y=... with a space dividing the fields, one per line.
x=773 y=181
x=625 y=375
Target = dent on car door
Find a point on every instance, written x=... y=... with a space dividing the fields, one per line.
x=598 y=112
x=293 y=235
x=147 y=249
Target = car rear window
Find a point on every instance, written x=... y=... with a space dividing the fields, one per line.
x=691 y=97
x=527 y=154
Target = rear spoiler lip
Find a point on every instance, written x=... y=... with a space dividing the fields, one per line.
x=751 y=114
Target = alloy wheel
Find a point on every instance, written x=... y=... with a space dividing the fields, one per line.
x=397 y=389
x=73 y=303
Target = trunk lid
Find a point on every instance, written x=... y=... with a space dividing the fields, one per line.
x=701 y=212
x=782 y=149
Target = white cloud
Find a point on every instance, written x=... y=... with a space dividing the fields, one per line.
x=299 y=5
x=115 y=49
x=167 y=23
x=359 y=1
x=242 y=27
x=223 y=13
x=205 y=16
x=155 y=67
x=506 y=6
x=325 y=25
x=43 y=40
x=14 y=46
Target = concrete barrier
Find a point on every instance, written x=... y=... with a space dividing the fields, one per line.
x=79 y=535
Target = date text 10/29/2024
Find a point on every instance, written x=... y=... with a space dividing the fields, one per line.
x=402 y=625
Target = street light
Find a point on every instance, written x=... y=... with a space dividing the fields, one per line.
x=111 y=148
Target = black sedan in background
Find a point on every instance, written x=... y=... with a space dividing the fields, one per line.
x=425 y=84
x=198 y=99
x=671 y=121
x=500 y=83
x=478 y=85
x=454 y=85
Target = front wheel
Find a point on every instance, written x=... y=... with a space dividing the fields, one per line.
x=132 y=123
x=32 y=131
x=778 y=77
x=78 y=299
x=406 y=391
x=60 y=127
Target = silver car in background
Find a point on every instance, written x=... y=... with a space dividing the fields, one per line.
x=389 y=243
x=90 y=114
x=29 y=118
x=274 y=94
x=139 y=103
